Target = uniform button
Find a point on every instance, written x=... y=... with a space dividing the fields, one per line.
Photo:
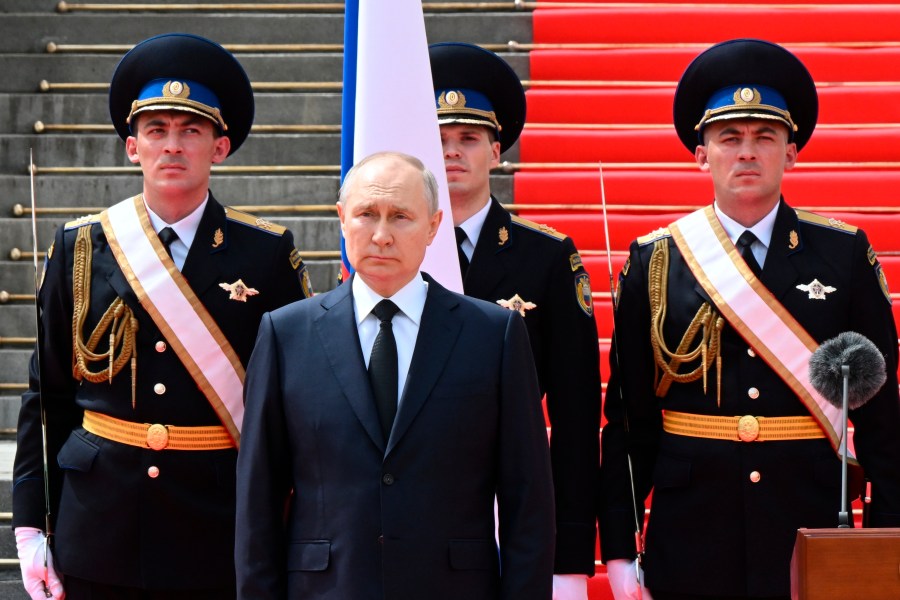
x=387 y=479
x=160 y=389
x=160 y=346
x=753 y=393
x=751 y=353
x=755 y=476
x=153 y=472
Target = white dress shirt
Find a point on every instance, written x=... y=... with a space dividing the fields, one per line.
x=410 y=299
x=186 y=229
x=472 y=226
x=762 y=230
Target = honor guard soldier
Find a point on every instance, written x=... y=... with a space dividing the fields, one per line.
x=530 y=268
x=717 y=316
x=149 y=311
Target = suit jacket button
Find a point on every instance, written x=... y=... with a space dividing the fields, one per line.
x=387 y=479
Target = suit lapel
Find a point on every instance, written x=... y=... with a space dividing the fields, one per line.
x=488 y=267
x=339 y=339
x=201 y=267
x=437 y=336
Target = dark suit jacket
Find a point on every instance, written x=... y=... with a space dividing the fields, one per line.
x=410 y=517
x=538 y=265
x=113 y=523
x=712 y=530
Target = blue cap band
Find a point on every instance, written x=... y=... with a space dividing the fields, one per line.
x=747 y=102
x=462 y=105
x=179 y=94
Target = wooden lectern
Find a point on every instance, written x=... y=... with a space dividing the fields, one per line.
x=846 y=564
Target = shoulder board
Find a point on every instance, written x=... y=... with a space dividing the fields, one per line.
x=821 y=221
x=653 y=236
x=82 y=221
x=254 y=221
x=538 y=227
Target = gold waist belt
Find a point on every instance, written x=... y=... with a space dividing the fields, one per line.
x=156 y=436
x=742 y=429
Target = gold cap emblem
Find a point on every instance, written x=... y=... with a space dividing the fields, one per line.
x=176 y=89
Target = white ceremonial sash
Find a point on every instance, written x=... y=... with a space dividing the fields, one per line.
x=165 y=294
x=753 y=311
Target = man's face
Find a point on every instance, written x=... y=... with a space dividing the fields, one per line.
x=176 y=150
x=747 y=159
x=469 y=155
x=386 y=223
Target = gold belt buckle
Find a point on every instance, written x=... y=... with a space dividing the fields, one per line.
x=157 y=436
x=748 y=428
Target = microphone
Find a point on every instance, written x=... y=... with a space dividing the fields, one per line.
x=848 y=370
x=867 y=369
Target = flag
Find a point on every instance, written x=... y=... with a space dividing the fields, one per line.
x=388 y=104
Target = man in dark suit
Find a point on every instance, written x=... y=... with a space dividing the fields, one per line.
x=717 y=316
x=532 y=269
x=381 y=486
x=149 y=314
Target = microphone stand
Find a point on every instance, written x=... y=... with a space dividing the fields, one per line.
x=843 y=516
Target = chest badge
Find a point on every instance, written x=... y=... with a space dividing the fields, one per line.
x=238 y=290
x=517 y=304
x=816 y=289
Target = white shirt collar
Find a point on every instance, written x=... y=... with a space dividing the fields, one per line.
x=472 y=226
x=410 y=299
x=762 y=230
x=186 y=228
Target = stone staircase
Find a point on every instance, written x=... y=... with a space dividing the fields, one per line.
x=56 y=65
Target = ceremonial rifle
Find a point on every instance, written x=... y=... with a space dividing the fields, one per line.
x=40 y=390
x=638 y=539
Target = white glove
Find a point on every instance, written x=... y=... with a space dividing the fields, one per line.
x=31 y=544
x=622 y=575
x=570 y=587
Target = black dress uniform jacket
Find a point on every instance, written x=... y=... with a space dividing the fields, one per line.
x=713 y=530
x=113 y=522
x=514 y=256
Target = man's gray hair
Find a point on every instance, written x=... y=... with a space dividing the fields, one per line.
x=431 y=188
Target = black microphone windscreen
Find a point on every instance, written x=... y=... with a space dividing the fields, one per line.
x=867 y=369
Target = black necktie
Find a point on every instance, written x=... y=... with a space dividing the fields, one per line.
x=743 y=243
x=383 y=366
x=463 y=259
x=167 y=235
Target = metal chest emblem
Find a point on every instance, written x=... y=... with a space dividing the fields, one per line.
x=517 y=304
x=238 y=290
x=816 y=289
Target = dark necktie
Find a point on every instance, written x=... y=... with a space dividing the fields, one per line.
x=383 y=366
x=463 y=259
x=167 y=235
x=743 y=243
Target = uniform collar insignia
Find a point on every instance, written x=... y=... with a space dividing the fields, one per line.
x=218 y=238
x=816 y=289
x=794 y=240
x=504 y=236
x=517 y=304
x=238 y=290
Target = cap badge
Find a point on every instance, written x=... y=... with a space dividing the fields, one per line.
x=218 y=238
x=238 y=290
x=452 y=99
x=816 y=289
x=794 y=240
x=503 y=235
x=517 y=304
x=747 y=96
x=176 y=89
